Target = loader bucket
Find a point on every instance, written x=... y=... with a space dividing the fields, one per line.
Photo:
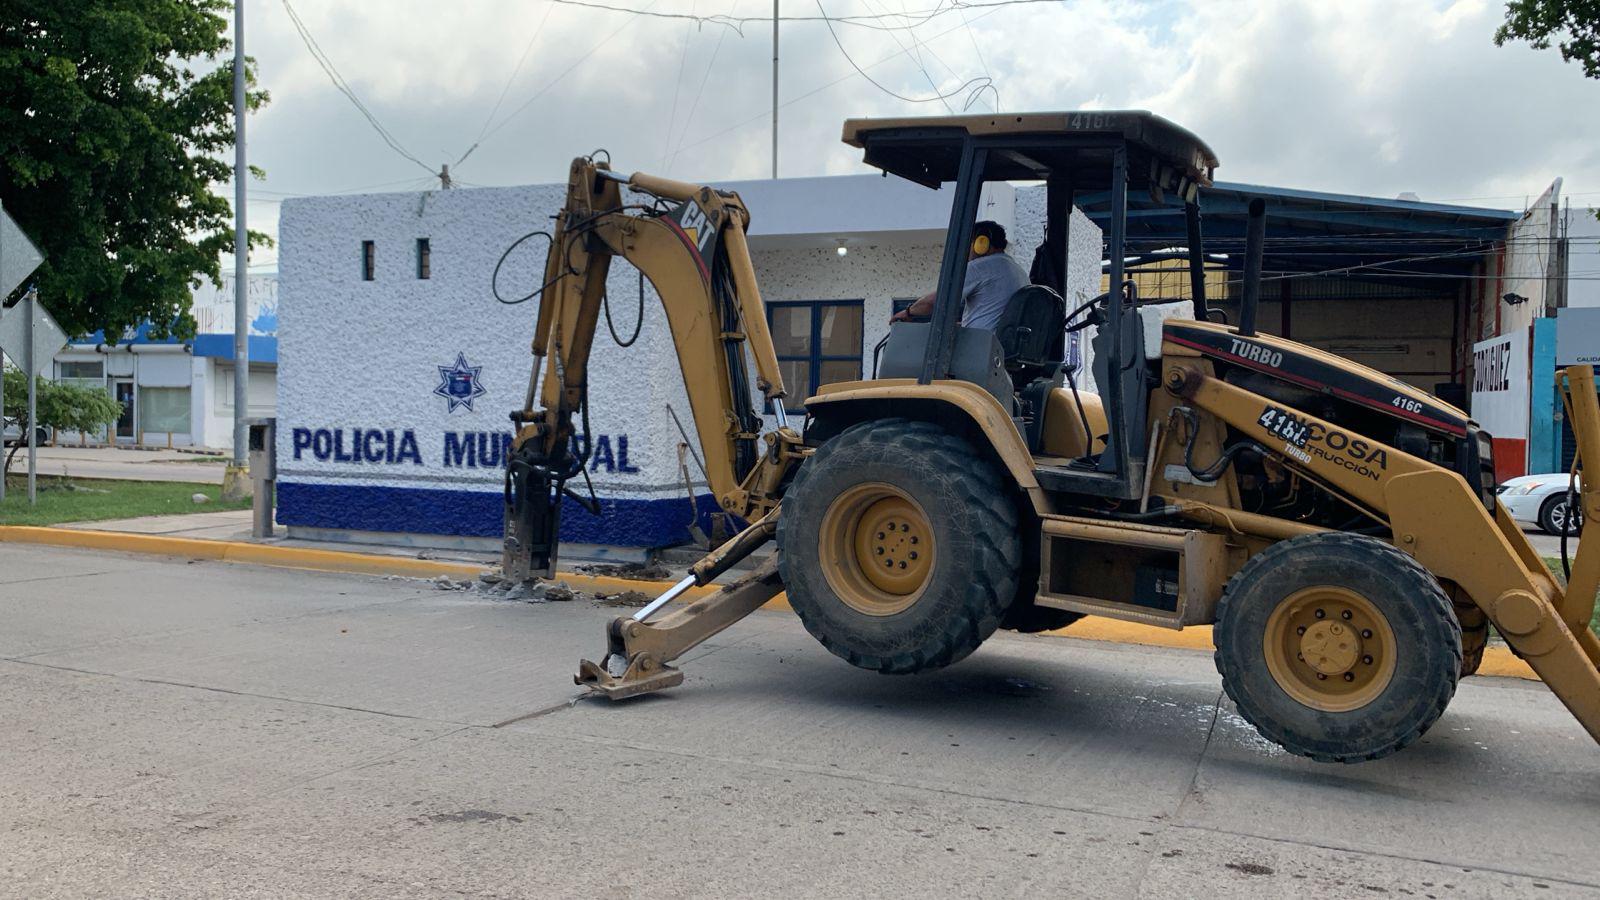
x=1583 y=412
x=1441 y=520
x=1545 y=624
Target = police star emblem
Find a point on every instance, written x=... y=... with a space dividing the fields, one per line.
x=460 y=384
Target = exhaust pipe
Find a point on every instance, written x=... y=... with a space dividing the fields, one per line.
x=1255 y=238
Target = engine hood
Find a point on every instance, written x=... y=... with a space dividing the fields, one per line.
x=1318 y=370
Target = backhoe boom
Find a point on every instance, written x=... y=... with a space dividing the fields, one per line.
x=689 y=241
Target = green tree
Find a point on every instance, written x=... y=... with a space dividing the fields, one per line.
x=115 y=128
x=67 y=407
x=1573 y=25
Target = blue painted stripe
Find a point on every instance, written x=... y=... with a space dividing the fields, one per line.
x=263 y=348
x=622 y=522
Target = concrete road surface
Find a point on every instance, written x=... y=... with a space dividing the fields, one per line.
x=177 y=729
x=126 y=464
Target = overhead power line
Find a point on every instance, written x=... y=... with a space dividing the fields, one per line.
x=568 y=70
x=816 y=90
x=975 y=83
x=705 y=77
x=902 y=20
x=913 y=54
x=877 y=21
x=339 y=82
x=537 y=30
x=677 y=91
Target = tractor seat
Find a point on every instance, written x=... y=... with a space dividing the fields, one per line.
x=1032 y=332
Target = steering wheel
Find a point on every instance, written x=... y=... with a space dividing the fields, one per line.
x=1129 y=289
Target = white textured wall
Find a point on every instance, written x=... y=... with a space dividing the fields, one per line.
x=357 y=357
x=1583 y=256
x=1085 y=251
x=873 y=274
x=1530 y=263
x=366 y=354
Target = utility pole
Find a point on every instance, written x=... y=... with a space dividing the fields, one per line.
x=2 y=390
x=774 y=89
x=236 y=483
x=444 y=177
x=32 y=300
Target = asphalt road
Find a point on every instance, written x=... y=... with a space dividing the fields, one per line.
x=174 y=729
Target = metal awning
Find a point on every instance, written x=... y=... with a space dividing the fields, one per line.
x=1313 y=231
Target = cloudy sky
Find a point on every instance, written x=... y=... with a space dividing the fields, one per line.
x=1369 y=97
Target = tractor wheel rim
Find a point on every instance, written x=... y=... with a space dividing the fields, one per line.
x=1330 y=648
x=877 y=549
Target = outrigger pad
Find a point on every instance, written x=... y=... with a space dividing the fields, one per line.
x=631 y=683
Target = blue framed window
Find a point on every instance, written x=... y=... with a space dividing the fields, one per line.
x=818 y=342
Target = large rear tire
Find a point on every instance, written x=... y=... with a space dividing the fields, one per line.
x=899 y=546
x=1337 y=646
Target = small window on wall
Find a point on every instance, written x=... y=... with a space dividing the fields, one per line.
x=424 y=259
x=369 y=260
x=92 y=370
x=818 y=343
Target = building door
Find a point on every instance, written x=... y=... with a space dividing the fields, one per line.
x=123 y=391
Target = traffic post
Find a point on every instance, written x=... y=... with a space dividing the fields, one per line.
x=18 y=258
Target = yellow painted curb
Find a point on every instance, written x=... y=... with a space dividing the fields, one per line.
x=1497 y=660
x=295 y=557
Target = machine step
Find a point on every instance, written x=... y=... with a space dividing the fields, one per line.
x=1152 y=574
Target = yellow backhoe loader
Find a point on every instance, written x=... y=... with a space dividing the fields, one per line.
x=1339 y=528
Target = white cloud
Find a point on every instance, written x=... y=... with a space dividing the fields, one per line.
x=1361 y=96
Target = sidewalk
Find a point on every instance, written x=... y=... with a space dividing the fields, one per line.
x=126 y=464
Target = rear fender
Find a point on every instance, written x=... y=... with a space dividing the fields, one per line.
x=959 y=406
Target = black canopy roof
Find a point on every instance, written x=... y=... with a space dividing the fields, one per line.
x=1032 y=146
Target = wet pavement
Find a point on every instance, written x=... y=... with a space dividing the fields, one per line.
x=175 y=728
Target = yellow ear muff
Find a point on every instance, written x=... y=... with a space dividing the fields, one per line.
x=980 y=244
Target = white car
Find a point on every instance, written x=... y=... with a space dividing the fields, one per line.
x=1539 y=500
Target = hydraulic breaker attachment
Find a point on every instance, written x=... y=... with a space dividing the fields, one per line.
x=638 y=651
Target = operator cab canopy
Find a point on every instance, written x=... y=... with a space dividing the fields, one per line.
x=1033 y=146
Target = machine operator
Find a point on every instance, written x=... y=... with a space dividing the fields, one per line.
x=992 y=277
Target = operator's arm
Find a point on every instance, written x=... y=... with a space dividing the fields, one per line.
x=923 y=306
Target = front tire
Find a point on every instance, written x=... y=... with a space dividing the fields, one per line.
x=899 y=546
x=1337 y=646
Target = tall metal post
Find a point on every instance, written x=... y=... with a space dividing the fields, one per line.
x=774 y=89
x=2 y=394
x=235 y=482
x=2 y=425
x=32 y=298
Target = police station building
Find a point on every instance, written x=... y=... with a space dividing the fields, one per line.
x=398 y=365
